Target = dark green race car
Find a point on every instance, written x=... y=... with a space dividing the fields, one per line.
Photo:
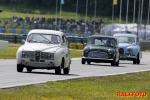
x=100 y=48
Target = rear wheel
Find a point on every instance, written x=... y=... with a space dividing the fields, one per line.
x=19 y=68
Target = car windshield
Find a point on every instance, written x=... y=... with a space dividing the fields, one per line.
x=43 y=38
x=102 y=41
x=125 y=39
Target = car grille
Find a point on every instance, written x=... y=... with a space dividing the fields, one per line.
x=44 y=55
x=31 y=54
x=98 y=54
x=37 y=56
x=121 y=51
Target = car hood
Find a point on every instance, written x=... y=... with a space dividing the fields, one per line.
x=40 y=47
x=124 y=44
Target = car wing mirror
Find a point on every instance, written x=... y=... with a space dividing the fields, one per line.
x=23 y=41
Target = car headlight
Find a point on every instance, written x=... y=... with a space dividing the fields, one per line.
x=129 y=49
x=25 y=54
x=51 y=56
x=110 y=51
x=86 y=50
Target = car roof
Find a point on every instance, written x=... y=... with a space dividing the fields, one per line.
x=125 y=34
x=45 y=31
x=101 y=36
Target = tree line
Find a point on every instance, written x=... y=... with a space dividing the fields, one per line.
x=104 y=7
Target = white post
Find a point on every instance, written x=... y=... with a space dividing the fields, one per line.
x=60 y=15
x=120 y=12
x=148 y=16
x=112 y=13
x=127 y=13
x=138 y=18
x=95 y=14
x=86 y=14
x=141 y=13
x=56 y=14
x=76 y=9
x=134 y=11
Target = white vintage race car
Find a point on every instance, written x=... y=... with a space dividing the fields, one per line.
x=44 y=49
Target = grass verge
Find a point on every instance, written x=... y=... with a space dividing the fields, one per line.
x=96 y=88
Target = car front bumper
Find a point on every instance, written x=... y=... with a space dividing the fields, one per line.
x=39 y=65
x=127 y=57
x=97 y=60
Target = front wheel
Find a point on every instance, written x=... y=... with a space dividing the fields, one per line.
x=58 y=69
x=19 y=68
x=138 y=60
x=89 y=62
x=66 y=70
x=83 y=61
x=134 y=61
x=117 y=63
x=29 y=69
x=113 y=63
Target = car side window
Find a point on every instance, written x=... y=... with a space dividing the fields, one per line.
x=137 y=39
x=63 y=39
x=66 y=39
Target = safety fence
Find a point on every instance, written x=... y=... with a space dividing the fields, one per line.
x=19 y=38
x=13 y=31
x=74 y=41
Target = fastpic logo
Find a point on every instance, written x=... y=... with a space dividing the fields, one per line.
x=131 y=94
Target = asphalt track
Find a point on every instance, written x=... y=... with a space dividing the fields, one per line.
x=9 y=77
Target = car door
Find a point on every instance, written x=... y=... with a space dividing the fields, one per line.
x=138 y=47
x=65 y=50
x=117 y=49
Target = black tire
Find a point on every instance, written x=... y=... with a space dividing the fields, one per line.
x=117 y=63
x=83 y=61
x=29 y=69
x=66 y=70
x=134 y=61
x=89 y=62
x=58 y=69
x=138 y=60
x=19 y=68
x=113 y=63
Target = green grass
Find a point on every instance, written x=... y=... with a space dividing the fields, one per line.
x=76 y=53
x=96 y=88
x=14 y=45
x=146 y=50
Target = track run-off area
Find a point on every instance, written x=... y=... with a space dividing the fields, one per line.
x=9 y=77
